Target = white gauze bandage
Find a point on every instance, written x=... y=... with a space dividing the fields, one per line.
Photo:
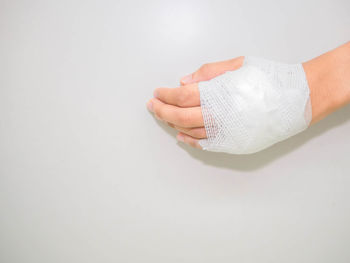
x=254 y=107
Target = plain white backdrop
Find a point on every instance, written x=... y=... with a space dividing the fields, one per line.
x=88 y=175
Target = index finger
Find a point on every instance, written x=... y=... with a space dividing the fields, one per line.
x=183 y=96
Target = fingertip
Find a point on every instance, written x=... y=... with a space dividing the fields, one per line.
x=156 y=93
x=188 y=140
x=149 y=105
x=180 y=137
x=152 y=104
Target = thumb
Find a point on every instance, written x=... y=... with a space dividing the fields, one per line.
x=211 y=70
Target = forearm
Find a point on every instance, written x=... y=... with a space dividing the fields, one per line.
x=329 y=81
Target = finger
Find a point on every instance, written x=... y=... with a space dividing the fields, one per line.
x=183 y=117
x=211 y=70
x=184 y=96
x=171 y=125
x=188 y=140
x=198 y=133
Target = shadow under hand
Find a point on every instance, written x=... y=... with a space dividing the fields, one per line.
x=257 y=160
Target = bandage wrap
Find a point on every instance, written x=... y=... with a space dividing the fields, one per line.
x=254 y=107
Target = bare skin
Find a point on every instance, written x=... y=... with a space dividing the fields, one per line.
x=328 y=76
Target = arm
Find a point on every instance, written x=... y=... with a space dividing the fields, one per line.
x=329 y=81
x=327 y=78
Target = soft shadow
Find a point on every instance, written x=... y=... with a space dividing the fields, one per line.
x=257 y=160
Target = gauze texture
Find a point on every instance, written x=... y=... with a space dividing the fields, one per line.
x=254 y=107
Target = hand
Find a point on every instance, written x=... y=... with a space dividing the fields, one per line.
x=180 y=107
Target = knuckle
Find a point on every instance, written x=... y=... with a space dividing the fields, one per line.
x=183 y=97
x=205 y=68
x=183 y=118
x=237 y=61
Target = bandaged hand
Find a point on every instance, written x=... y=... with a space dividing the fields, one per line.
x=243 y=105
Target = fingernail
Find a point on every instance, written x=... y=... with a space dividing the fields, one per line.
x=150 y=105
x=180 y=138
x=186 y=79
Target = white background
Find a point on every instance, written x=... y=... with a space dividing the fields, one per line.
x=88 y=175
